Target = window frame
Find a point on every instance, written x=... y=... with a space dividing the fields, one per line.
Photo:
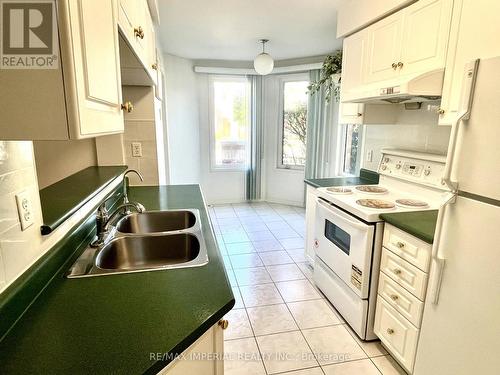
x=296 y=77
x=211 y=122
x=342 y=150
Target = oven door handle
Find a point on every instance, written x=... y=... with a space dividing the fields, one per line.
x=342 y=215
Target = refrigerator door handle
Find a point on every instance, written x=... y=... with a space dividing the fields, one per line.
x=438 y=255
x=468 y=85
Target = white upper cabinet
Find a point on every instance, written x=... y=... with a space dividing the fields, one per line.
x=474 y=34
x=353 y=53
x=425 y=35
x=137 y=28
x=410 y=41
x=384 y=49
x=96 y=68
x=79 y=99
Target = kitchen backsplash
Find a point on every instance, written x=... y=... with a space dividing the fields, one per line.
x=428 y=138
x=18 y=249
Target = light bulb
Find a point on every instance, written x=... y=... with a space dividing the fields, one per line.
x=263 y=64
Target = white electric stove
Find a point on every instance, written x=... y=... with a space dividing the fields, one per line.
x=408 y=181
x=348 y=229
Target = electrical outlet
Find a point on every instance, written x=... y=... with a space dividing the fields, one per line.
x=25 y=209
x=137 y=149
x=369 y=156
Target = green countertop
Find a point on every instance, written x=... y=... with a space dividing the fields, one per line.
x=111 y=324
x=366 y=177
x=62 y=199
x=421 y=224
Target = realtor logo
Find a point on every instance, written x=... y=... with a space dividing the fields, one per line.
x=28 y=35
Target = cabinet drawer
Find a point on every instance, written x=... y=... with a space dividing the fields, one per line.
x=404 y=273
x=410 y=248
x=403 y=301
x=398 y=335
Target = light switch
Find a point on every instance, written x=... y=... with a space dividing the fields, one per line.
x=137 y=149
x=25 y=209
x=369 y=156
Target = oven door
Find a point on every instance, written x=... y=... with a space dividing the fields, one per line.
x=344 y=243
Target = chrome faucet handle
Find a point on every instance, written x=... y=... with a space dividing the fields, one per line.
x=102 y=209
x=118 y=211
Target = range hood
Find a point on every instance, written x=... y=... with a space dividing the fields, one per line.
x=421 y=87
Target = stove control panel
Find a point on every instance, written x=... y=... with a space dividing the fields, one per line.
x=413 y=166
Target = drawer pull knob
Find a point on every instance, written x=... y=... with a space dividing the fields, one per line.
x=139 y=32
x=400 y=65
x=223 y=323
x=154 y=66
x=400 y=244
x=394 y=66
x=397 y=271
x=394 y=297
x=390 y=331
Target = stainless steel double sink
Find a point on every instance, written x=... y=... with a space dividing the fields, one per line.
x=148 y=241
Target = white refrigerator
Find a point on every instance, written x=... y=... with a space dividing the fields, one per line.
x=460 y=332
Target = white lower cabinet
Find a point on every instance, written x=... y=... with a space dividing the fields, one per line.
x=401 y=294
x=204 y=356
x=399 y=336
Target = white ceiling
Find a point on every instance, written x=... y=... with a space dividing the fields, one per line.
x=230 y=29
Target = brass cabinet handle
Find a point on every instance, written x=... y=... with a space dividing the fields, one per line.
x=400 y=244
x=223 y=323
x=394 y=66
x=360 y=114
x=400 y=65
x=397 y=271
x=139 y=32
x=440 y=111
x=154 y=66
x=128 y=107
x=394 y=297
x=390 y=331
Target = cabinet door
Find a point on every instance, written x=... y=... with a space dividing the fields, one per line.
x=197 y=356
x=152 y=64
x=93 y=96
x=384 y=48
x=425 y=35
x=351 y=113
x=352 y=62
x=474 y=34
x=159 y=76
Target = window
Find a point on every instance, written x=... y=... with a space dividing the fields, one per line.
x=230 y=122
x=351 y=149
x=293 y=123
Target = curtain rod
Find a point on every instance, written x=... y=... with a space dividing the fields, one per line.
x=248 y=71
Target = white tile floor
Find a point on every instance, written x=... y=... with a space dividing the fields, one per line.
x=281 y=323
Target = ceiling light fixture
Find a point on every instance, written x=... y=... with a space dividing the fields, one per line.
x=263 y=63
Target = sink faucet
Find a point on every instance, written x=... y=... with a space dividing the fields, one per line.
x=137 y=206
x=103 y=219
x=125 y=191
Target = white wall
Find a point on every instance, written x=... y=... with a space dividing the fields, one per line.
x=218 y=186
x=182 y=120
x=280 y=185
